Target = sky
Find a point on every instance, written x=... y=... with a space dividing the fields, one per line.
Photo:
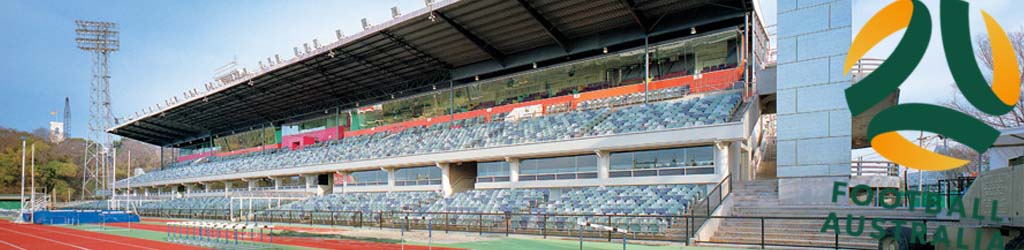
x=168 y=47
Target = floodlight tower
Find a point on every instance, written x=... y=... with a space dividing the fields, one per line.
x=100 y=39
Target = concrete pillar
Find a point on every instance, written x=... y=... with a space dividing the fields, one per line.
x=252 y=184
x=813 y=117
x=189 y=188
x=446 y=178
x=277 y=183
x=513 y=169
x=391 y=178
x=145 y=191
x=604 y=161
x=174 y=191
x=722 y=158
x=344 y=181
x=206 y=187
x=310 y=182
x=227 y=186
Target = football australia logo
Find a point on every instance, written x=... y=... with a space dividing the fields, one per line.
x=914 y=17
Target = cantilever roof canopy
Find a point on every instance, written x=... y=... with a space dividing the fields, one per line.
x=1010 y=137
x=409 y=54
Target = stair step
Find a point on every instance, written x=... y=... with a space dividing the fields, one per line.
x=816 y=236
x=859 y=244
x=791 y=229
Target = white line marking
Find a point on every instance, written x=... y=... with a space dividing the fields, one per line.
x=13 y=245
x=91 y=238
x=37 y=237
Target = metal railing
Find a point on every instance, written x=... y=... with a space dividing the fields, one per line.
x=642 y=227
x=874 y=168
x=671 y=228
x=772 y=230
x=864 y=67
x=701 y=209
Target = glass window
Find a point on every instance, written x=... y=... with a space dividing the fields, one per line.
x=243 y=140
x=706 y=53
x=368 y=178
x=492 y=169
x=427 y=175
x=556 y=168
x=700 y=156
x=674 y=161
x=621 y=161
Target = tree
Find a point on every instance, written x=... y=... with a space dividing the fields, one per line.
x=1013 y=119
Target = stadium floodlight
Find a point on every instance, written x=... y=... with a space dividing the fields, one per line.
x=535 y=65
x=100 y=39
x=366 y=24
x=296 y=50
x=693 y=31
x=395 y=13
x=305 y=46
x=429 y=3
x=316 y=43
x=339 y=34
x=331 y=53
x=269 y=62
x=277 y=59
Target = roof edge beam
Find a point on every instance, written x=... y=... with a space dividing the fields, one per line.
x=550 y=28
x=421 y=54
x=480 y=43
x=638 y=15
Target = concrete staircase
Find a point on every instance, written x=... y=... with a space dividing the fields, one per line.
x=761 y=199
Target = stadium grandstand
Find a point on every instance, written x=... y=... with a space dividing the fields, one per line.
x=524 y=117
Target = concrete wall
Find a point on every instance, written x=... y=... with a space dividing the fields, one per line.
x=813 y=119
x=460 y=177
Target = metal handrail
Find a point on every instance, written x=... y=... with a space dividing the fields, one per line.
x=874 y=168
x=506 y=223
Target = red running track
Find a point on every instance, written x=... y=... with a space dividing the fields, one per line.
x=305 y=242
x=31 y=236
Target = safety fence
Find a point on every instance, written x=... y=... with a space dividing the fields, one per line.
x=671 y=228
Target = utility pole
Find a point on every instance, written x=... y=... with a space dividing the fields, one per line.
x=129 y=187
x=33 y=177
x=21 y=201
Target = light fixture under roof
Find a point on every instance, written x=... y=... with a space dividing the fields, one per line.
x=395 y=13
x=693 y=31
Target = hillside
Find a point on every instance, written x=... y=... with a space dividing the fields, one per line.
x=58 y=165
